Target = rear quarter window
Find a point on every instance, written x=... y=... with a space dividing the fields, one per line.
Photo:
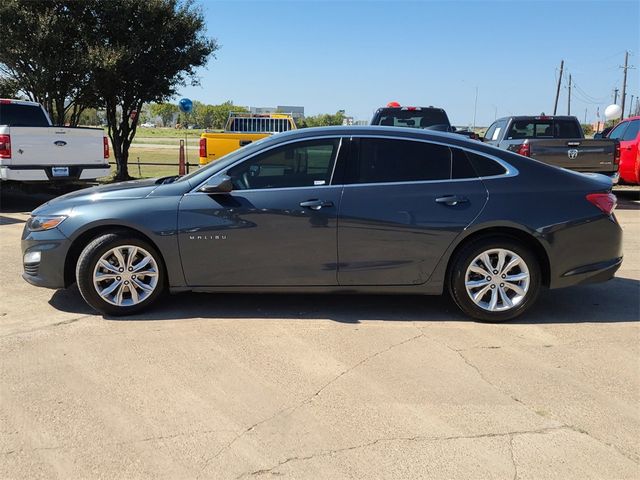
x=484 y=166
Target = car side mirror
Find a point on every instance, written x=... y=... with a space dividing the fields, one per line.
x=453 y=129
x=597 y=135
x=217 y=185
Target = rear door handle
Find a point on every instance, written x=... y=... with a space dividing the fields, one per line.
x=316 y=204
x=451 y=200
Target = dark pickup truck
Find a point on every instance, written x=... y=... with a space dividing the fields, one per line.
x=557 y=140
x=428 y=118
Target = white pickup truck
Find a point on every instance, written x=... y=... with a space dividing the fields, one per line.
x=32 y=150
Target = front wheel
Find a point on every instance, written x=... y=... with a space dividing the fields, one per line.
x=120 y=274
x=495 y=279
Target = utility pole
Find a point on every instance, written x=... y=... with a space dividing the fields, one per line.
x=630 y=106
x=624 y=81
x=585 y=116
x=555 y=105
x=569 y=97
x=615 y=95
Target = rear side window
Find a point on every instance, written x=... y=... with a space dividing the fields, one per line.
x=380 y=160
x=632 y=131
x=17 y=115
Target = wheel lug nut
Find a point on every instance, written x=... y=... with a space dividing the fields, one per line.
x=502 y=284
x=118 y=278
x=121 y=269
x=126 y=283
x=489 y=279
x=495 y=272
x=131 y=269
x=133 y=276
x=504 y=276
x=492 y=286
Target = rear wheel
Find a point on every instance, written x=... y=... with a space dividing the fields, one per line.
x=119 y=274
x=495 y=279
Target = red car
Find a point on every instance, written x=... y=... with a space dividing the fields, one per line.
x=627 y=132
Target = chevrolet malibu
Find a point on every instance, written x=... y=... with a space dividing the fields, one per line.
x=354 y=210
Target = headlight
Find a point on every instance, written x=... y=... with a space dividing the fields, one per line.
x=44 y=222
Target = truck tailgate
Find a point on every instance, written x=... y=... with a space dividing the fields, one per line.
x=583 y=155
x=56 y=146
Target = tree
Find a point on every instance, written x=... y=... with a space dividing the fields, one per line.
x=9 y=88
x=323 y=120
x=587 y=128
x=166 y=112
x=213 y=116
x=45 y=51
x=143 y=52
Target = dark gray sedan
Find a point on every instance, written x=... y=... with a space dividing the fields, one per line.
x=358 y=209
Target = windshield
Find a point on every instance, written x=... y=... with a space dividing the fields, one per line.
x=201 y=174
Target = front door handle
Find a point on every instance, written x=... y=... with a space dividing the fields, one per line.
x=452 y=200
x=316 y=204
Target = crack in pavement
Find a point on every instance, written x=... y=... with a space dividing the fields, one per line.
x=45 y=327
x=310 y=398
x=631 y=457
x=128 y=442
x=513 y=458
x=417 y=438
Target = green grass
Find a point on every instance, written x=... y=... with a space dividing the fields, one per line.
x=168 y=159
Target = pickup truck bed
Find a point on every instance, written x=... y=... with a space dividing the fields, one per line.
x=556 y=141
x=31 y=150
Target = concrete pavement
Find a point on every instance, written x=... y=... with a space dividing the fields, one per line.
x=259 y=386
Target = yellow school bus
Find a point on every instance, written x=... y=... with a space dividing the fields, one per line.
x=242 y=129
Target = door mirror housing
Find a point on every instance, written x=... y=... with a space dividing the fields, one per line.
x=217 y=185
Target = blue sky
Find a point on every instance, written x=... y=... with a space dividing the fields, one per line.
x=359 y=55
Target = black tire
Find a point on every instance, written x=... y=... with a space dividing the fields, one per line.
x=466 y=255
x=87 y=264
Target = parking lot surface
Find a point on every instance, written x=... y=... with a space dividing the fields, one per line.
x=262 y=386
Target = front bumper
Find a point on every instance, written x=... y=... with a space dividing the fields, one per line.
x=53 y=247
x=44 y=173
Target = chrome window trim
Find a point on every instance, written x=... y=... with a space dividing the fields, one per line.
x=298 y=140
x=511 y=171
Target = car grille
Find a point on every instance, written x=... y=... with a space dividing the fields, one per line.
x=31 y=269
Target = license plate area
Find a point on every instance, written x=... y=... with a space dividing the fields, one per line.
x=60 y=171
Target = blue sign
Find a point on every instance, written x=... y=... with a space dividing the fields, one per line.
x=185 y=105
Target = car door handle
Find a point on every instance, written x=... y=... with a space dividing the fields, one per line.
x=451 y=200
x=316 y=204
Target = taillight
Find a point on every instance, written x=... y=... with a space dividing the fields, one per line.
x=616 y=155
x=5 y=146
x=105 y=147
x=203 y=147
x=604 y=201
x=524 y=149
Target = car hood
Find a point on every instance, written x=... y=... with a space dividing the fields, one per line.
x=116 y=191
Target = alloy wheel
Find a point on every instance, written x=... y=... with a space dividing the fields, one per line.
x=497 y=280
x=125 y=275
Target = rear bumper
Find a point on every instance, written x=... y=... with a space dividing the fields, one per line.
x=593 y=273
x=44 y=173
x=588 y=251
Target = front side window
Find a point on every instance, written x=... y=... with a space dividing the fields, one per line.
x=380 y=160
x=301 y=164
x=488 y=135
